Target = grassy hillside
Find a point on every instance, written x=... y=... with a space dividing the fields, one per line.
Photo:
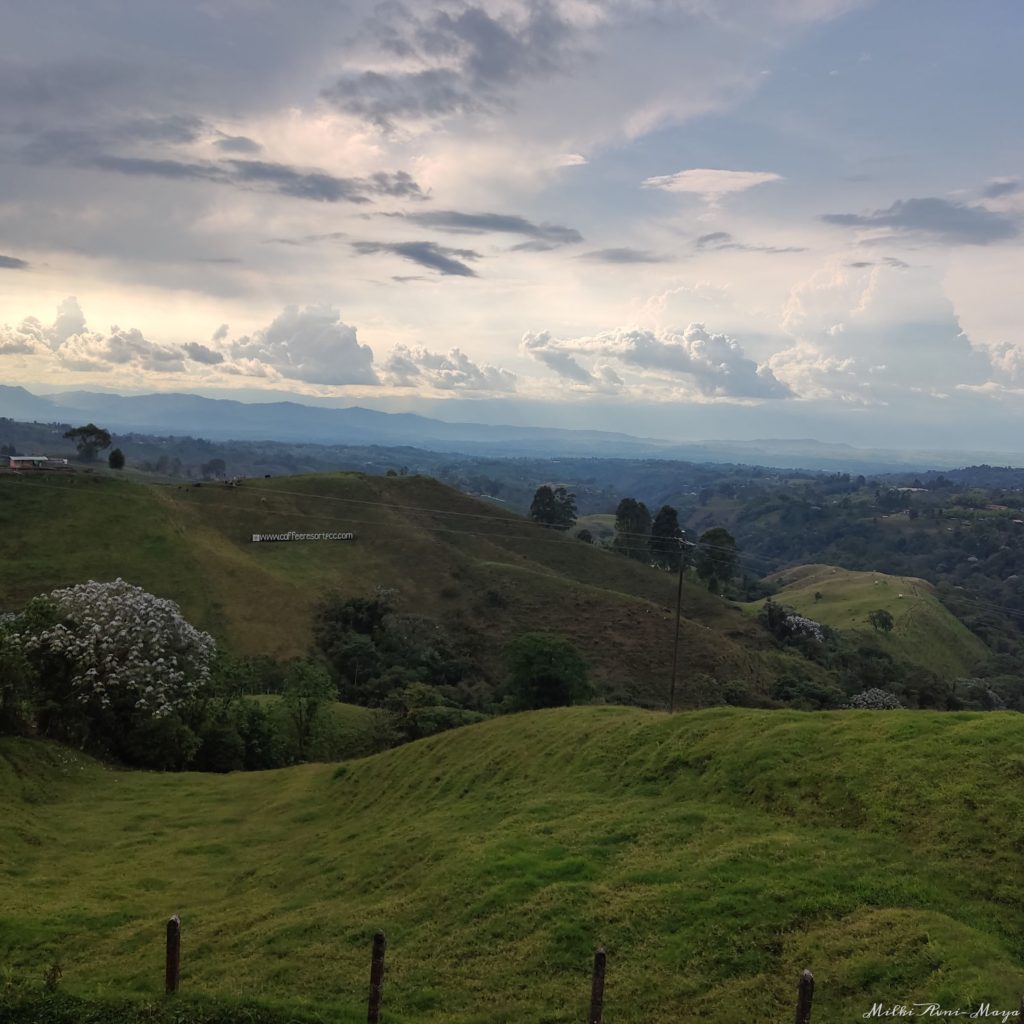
x=925 y=633
x=480 y=569
x=714 y=853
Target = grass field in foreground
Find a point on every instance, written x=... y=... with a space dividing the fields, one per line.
x=713 y=853
x=925 y=633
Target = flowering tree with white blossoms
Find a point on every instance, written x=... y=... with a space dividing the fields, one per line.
x=126 y=652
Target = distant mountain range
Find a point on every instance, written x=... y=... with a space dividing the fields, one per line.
x=221 y=419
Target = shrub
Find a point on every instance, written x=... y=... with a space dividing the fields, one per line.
x=546 y=671
x=875 y=700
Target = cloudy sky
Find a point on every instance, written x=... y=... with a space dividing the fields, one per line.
x=683 y=218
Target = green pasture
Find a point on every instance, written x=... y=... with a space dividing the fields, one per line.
x=714 y=854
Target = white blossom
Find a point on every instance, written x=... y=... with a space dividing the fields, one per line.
x=126 y=646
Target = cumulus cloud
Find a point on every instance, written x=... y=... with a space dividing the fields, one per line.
x=12 y=263
x=309 y=344
x=871 y=334
x=948 y=221
x=550 y=235
x=545 y=349
x=455 y=371
x=31 y=335
x=714 y=363
x=200 y=353
x=444 y=260
x=710 y=183
x=92 y=351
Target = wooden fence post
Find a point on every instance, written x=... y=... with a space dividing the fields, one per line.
x=376 y=978
x=597 y=987
x=172 y=969
x=1020 y=1012
x=805 y=996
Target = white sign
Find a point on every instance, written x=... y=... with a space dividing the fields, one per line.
x=292 y=535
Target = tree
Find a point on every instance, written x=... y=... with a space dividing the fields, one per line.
x=667 y=538
x=585 y=535
x=545 y=671
x=307 y=688
x=632 y=529
x=116 y=459
x=90 y=440
x=717 y=558
x=554 y=507
x=215 y=469
x=881 y=620
x=112 y=660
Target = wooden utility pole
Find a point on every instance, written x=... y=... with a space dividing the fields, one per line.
x=675 y=644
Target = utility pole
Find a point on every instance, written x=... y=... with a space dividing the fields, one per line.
x=675 y=645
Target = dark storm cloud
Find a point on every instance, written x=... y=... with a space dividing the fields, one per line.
x=81 y=149
x=160 y=168
x=173 y=128
x=427 y=254
x=467 y=58
x=1001 y=187
x=624 y=255
x=948 y=221
x=885 y=261
x=498 y=223
x=722 y=240
x=12 y=263
x=238 y=144
x=200 y=353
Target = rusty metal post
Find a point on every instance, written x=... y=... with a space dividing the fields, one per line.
x=805 y=996
x=376 y=978
x=597 y=988
x=172 y=970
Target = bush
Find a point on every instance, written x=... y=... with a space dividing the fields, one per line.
x=546 y=671
x=875 y=700
x=111 y=661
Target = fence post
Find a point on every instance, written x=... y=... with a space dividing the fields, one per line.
x=376 y=978
x=597 y=987
x=805 y=997
x=1020 y=1012
x=172 y=969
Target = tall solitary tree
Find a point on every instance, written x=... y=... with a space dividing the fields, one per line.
x=90 y=440
x=632 y=529
x=667 y=538
x=717 y=557
x=116 y=459
x=553 y=506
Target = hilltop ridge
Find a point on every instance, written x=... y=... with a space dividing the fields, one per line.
x=486 y=572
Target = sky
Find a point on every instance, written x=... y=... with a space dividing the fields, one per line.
x=675 y=218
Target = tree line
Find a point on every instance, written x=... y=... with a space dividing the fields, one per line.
x=656 y=540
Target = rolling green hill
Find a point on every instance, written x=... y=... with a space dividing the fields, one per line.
x=713 y=853
x=925 y=633
x=483 y=571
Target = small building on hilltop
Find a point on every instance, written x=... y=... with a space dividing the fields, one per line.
x=21 y=463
